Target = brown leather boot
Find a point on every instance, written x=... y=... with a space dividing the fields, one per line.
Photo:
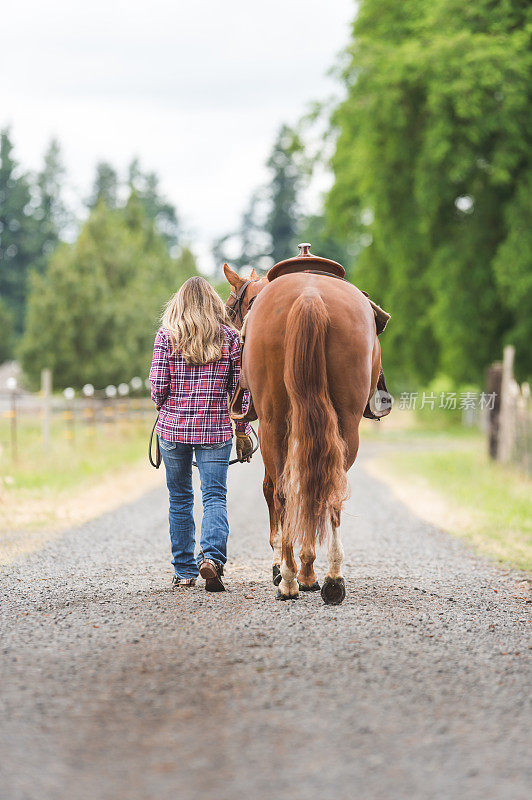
x=212 y=572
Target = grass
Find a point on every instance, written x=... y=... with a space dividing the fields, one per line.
x=87 y=471
x=92 y=452
x=497 y=500
x=407 y=428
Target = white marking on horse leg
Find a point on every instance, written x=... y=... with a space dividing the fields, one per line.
x=277 y=552
x=288 y=586
x=335 y=553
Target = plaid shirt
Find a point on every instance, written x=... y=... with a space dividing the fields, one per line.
x=193 y=398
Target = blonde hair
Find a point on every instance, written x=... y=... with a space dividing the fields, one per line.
x=193 y=317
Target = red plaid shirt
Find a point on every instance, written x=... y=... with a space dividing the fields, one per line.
x=193 y=398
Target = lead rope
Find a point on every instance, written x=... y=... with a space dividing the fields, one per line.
x=158 y=457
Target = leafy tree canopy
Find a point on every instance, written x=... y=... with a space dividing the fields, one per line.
x=432 y=178
x=93 y=314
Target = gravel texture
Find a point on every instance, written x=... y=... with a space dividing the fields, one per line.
x=112 y=686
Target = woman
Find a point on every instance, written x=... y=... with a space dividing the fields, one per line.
x=196 y=363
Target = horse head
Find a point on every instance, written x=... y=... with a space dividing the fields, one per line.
x=243 y=293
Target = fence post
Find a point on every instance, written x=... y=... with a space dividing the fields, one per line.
x=46 y=392
x=12 y=388
x=506 y=420
x=494 y=411
x=89 y=412
x=68 y=413
x=524 y=420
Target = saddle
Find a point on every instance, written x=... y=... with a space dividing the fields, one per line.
x=380 y=403
x=315 y=265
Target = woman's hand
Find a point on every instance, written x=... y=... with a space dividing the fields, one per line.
x=244 y=446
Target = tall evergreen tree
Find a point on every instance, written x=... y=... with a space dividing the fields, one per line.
x=251 y=241
x=271 y=222
x=19 y=240
x=146 y=186
x=105 y=186
x=287 y=167
x=50 y=211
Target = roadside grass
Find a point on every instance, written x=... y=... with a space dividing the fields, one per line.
x=92 y=452
x=410 y=427
x=78 y=477
x=496 y=500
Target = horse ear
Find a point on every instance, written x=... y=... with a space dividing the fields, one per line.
x=235 y=280
x=253 y=276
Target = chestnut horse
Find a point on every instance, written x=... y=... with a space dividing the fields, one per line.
x=311 y=361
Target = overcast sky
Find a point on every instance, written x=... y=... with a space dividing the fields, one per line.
x=197 y=90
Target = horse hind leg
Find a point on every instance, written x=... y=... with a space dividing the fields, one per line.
x=333 y=589
x=307 y=577
x=288 y=587
x=275 y=529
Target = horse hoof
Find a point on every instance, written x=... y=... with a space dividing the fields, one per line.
x=333 y=591
x=304 y=587
x=276 y=570
x=280 y=596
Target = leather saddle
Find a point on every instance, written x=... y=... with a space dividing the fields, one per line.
x=380 y=403
x=315 y=265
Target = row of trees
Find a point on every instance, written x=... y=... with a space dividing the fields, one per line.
x=433 y=178
x=429 y=210
x=85 y=308
x=430 y=207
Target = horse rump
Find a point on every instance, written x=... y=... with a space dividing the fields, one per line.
x=314 y=481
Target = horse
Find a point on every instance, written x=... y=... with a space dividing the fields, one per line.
x=311 y=361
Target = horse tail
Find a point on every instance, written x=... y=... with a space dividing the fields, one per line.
x=314 y=481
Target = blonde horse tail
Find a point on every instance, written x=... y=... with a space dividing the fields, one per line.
x=314 y=482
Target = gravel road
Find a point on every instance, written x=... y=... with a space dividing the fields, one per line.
x=112 y=686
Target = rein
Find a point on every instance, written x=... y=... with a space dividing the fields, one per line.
x=158 y=458
x=235 y=310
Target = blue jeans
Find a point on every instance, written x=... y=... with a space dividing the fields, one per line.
x=212 y=461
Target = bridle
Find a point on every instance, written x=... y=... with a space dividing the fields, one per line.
x=235 y=310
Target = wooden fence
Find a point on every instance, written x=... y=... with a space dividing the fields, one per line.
x=64 y=414
x=510 y=420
